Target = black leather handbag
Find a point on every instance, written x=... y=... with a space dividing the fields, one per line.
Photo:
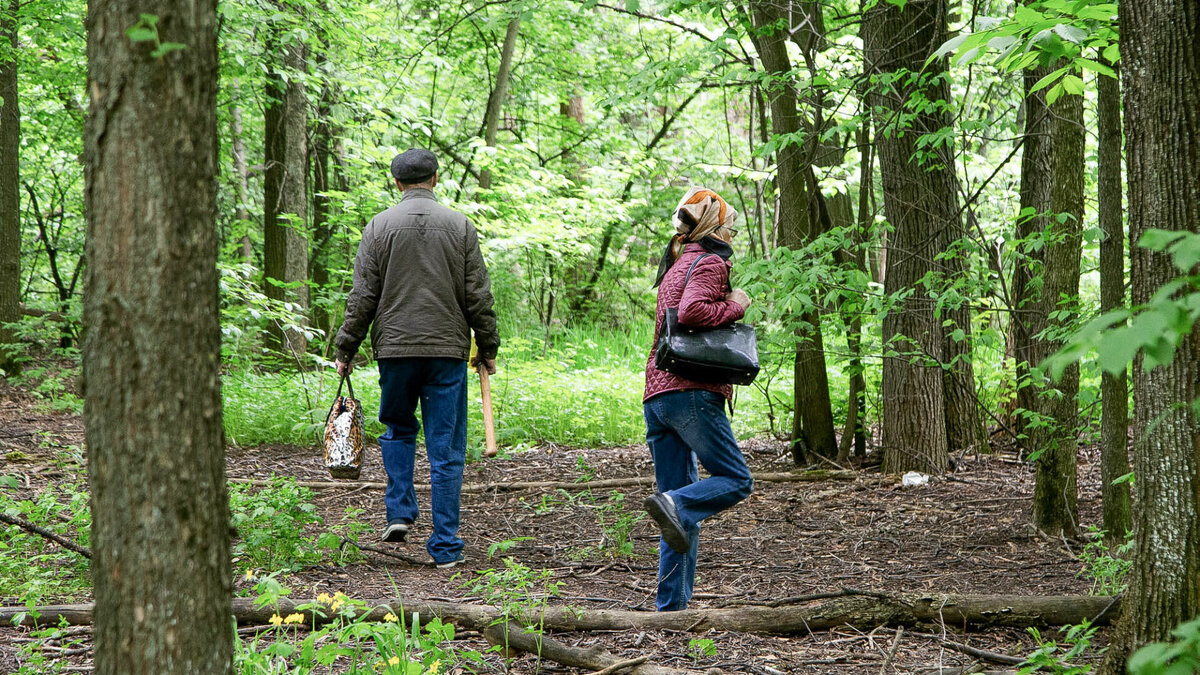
x=714 y=355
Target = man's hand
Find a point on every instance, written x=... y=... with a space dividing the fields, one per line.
x=343 y=368
x=739 y=296
x=490 y=364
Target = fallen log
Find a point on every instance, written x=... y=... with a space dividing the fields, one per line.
x=860 y=609
x=512 y=636
x=515 y=486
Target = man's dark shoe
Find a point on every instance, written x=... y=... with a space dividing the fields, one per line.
x=450 y=563
x=396 y=530
x=662 y=510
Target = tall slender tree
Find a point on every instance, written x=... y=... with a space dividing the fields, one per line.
x=151 y=357
x=10 y=181
x=928 y=409
x=1162 y=130
x=495 y=103
x=1045 y=276
x=813 y=429
x=285 y=195
x=1114 y=389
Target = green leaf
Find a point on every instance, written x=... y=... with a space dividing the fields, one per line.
x=166 y=48
x=142 y=34
x=1070 y=33
x=1095 y=67
x=1158 y=240
x=1112 y=53
x=1072 y=84
x=1049 y=79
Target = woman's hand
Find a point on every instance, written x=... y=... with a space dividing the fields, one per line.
x=739 y=296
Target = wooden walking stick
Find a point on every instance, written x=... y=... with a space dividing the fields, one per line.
x=489 y=422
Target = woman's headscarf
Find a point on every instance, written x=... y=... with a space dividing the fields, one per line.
x=698 y=215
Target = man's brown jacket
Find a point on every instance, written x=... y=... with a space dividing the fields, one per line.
x=420 y=284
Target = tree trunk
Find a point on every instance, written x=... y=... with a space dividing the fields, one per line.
x=10 y=184
x=925 y=408
x=499 y=92
x=242 y=184
x=812 y=429
x=322 y=154
x=1046 y=273
x=151 y=357
x=285 y=204
x=1162 y=131
x=1114 y=419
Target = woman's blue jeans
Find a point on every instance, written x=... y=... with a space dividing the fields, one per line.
x=440 y=385
x=681 y=427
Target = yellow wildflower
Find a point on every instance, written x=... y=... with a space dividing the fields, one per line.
x=336 y=604
x=390 y=618
x=276 y=619
x=324 y=597
x=294 y=618
x=394 y=661
x=249 y=575
x=434 y=667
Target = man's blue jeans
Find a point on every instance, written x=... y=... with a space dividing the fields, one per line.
x=681 y=427
x=440 y=385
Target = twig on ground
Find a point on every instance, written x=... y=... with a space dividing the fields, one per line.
x=891 y=654
x=617 y=667
x=43 y=532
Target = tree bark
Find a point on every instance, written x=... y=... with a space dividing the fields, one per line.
x=322 y=155
x=1046 y=274
x=151 y=357
x=813 y=428
x=865 y=610
x=242 y=184
x=1162 y=130
x=499 y=92
x=10 y=183
x=1114 y=393
x=927 y=411
x=285 y=203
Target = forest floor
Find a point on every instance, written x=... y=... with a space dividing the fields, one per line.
x=962 y=533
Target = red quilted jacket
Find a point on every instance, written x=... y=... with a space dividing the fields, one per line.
x=703 y=303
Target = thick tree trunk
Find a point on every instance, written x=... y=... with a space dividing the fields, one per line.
x=322 y=154
x=813 y=428
x=10 y=182
x=285 y=204
x=927 y=411
x=151 y=357
x=1047 y=273
x=864 y=610
x=1162 y=131
x=499 y=92
x=1114 y=418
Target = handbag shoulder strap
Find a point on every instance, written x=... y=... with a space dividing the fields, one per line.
x=695 y=262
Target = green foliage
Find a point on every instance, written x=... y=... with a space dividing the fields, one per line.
x=616 y=525
x=1181 y=657
x=345 y=641
x=702 y=648
x=41 y=655
x=271 y=524
x=1154 y=329
x=32 y=568
x=1051 y=657
x=1046 y=32
x=520 y=592
x=1107 y=570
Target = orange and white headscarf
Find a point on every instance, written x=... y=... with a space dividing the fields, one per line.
x=698 y=215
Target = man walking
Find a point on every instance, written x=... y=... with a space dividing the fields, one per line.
x=421 y=286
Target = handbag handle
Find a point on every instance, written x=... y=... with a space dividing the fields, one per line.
x=338 y=401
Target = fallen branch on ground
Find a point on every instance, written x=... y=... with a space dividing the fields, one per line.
x=514 y=486
x=43 y=532
x=860 y=609
x=513 y=636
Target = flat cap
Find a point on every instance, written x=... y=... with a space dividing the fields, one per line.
x=414 y=165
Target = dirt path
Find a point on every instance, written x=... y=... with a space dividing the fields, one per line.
x=965 y=533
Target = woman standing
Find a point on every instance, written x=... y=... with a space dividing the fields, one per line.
x=685 y=419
